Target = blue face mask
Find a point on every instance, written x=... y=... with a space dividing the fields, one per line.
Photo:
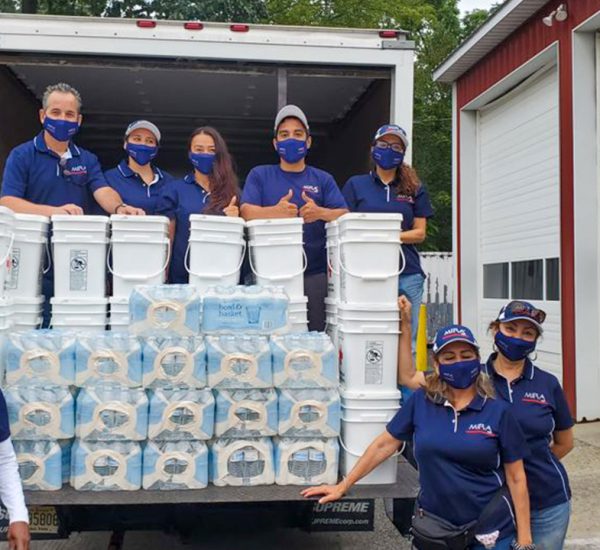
x=203 y=162
x=514 y=349
x=142 y=154
x=60 y=130
x=292 y=150
x=387 y=158
x=460 y=375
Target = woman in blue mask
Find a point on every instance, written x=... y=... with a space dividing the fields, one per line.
x=136 y=178
x=211 y=188
x=539 y=405
x=468 y=446
x=392 y=186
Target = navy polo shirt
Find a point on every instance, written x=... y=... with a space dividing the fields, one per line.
x=538 y=403
x=178 y=200
x=35 y=173
x=132 y=188
x=4 y=426
x=460 y=455
x=266 y=185
x=367 y=193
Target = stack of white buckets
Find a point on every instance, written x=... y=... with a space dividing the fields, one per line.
x=364 y=252
x=139 y=255
x=23 y=250
x=277 y=257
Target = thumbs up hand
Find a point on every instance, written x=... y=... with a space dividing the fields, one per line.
x=311 y=211
x=286 y=208
x=232 y=208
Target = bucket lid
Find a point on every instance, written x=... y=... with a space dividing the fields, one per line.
x=118 y=300
x=139 y=219
x=331 y=302
x=6 y=212
x=79 y=301
x=216 y=219
x=366 y=395
x=37 y=300
x=32 y=218
x=332 y=225
x=369 y=216
x=80 y=218
x=375 y=308
x=274 y=222
x=302 y=300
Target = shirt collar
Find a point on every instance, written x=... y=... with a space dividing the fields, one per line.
x=528 y=369
x=378 y=181
x=127 y=172
x=476 y=403
x=40 y=145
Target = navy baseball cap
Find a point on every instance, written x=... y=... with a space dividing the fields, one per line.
x=453 y=333
x=392 y=130
x=519 y=309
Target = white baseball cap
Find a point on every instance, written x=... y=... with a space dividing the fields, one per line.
x=291 y=111
x=144 y=125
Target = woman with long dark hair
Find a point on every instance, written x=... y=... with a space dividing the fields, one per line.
x=212 y=188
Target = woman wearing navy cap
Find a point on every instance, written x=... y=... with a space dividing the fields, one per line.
x=212 y=188
x=468 y=447
x=136 y=178
x=392 y=186
x=539 y=405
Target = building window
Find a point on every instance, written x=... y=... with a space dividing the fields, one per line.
x=495 y=281
x=527 y=280
x=552 y=279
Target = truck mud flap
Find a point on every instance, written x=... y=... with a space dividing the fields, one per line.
x=343 y=515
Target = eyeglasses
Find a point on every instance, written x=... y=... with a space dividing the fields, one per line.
x=517 y=307
x=397 y=147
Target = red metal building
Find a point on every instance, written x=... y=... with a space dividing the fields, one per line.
x=526 y=89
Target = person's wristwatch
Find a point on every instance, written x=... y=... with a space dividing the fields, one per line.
x=119 y=206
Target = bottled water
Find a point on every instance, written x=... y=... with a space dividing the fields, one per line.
x=170 y=465
x=246 y=413
x=306 y=461
x=310 y=412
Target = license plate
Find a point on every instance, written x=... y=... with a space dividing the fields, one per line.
x=43 y=520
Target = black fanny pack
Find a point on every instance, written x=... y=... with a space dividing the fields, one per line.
x=431 y=532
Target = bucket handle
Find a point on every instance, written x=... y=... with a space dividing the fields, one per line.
x=371 y=277
x=138 y=277
x=281 y=277
x=343 y=446
x=186 y=265
x=9 y=250
x=48 y=258
x=328 y=261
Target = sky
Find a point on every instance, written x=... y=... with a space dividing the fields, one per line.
x=468 y=5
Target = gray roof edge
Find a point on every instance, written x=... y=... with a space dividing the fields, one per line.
x=486 y=38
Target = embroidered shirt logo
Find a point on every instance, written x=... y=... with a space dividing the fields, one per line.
x=480 y=429
x=311 y=189
x=534 y=397
x=79 y=170
x=405 y=198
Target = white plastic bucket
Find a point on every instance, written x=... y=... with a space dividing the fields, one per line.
x=136 y=228
x=298 y=315
x=137 y=262
x=28 y=256
x=20 y=325
x=119 y=313
x=79 y=250
x=359 y=428
x=276 y=226
x=357 y=225
x=333 y=267
x=27 y=312
x=355 y=402
x=369 y=271
x=369 y=350
x=331 y=321
x=222 y=228
x=211 y=261
x=6 y=314
x=7 y=236
x=279 y=264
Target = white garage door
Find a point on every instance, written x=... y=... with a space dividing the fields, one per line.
x=519 y=215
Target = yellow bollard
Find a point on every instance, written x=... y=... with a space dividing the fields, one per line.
x=422 y=339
